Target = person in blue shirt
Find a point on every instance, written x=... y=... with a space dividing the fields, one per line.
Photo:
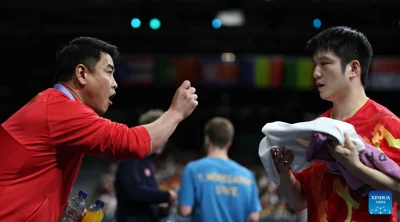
x=216 y=188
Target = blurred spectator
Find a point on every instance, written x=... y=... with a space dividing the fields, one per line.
x=216 y=188
x=137 y=191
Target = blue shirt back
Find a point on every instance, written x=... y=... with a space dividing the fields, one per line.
x=219 y=190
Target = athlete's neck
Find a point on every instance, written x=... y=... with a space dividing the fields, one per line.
x=349 y=104
x=74 y=89
x=216 y=152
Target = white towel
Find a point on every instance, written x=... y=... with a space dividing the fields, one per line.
x=296 y=137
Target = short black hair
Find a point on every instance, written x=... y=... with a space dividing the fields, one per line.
x=348 y=44
x=81 y=50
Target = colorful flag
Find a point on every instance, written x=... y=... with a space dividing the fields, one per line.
x=304 y=72
x=135 y=70
x=290 y=73
x=268 y=71
x=385 y=73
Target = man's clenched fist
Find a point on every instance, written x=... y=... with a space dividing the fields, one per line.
x=185 y=100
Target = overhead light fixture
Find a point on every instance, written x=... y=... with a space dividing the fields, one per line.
x=231 y=18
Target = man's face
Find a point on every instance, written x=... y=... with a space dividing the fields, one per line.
x=331 y=81
x=101 y=85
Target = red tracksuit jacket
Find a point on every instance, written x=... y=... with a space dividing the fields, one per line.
x=42 y=146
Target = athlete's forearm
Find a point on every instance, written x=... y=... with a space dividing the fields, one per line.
x=377 y=180
x=292 y=191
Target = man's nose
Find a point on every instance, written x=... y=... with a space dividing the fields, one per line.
x=114 y=84
x=317 y=73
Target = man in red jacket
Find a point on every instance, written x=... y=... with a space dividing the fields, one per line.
x=44 y=142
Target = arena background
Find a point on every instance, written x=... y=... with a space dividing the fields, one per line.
x=248 y=65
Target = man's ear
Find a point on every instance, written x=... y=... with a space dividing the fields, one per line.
x=229 y=144
x=355 y=69
x=81 y=74
x=206 y=140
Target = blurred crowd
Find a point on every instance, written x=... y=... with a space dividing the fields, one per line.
x=169 y=169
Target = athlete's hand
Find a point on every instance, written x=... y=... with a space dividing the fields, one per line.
x=184 y=101
x=347 y=155
x=283 y=159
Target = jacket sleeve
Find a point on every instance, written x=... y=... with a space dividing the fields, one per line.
x=76 y=127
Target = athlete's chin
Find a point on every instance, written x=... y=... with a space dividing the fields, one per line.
x=325 y=96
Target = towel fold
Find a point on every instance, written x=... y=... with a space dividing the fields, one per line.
x=370 y=156
x=309 y=140
x=296 y=137
x=318 y=151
